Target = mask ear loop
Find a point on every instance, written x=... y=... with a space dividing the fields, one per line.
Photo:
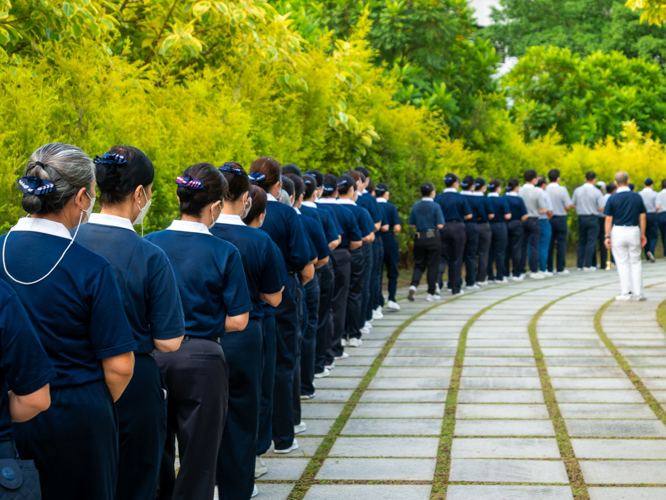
x=4 y=263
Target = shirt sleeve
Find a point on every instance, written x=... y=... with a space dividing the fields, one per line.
x=271 y=276
x=642 y=207
x=299 y=248
x=467 y=210
x=439 y=216
x=164 y=308
x=235 y=295
x=549 y=202
x=490 y=209
x=541 y=201
x=366 y=223
x=284 y=277
x=395 y=216
x=567 y=198
x=354 y=231
x=608 y=210
x=523 y=208
x=329 y=226
x=110 y=333
x=24 y=362
x=575 y=197
x=412 y=216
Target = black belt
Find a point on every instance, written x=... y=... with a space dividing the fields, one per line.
x=427 y=234
x=212 y=339
x=453 y=221
x=626 y=225
x=588 y=215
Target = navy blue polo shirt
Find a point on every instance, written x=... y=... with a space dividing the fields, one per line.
x=625 y=207
x=210 y=276
x=363 y=217
x=367 y=201
x=392 y=216
x=324 y=219
x=317 y=236
x=478 y=208
x=76 y=311
x=24 y=365
x=500 y=208
x=454 y=206
x=426 y=215
x=146 y=281
x=284 y=279
x=488 y=208
x=348 y=227
x=260 y=262
x=285 y=229
x=516 y=206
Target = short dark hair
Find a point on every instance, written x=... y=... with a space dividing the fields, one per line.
x=259 y=202
x=450 y=180
x=467 y=183
x=371 y=186
x=268 y=166
x=290 y=168
x=479 y=182
x=364 y=171
x=193 y=201
x=345 y=183
x=611 y=187
x=287 y=185
x=494 y=184
x=356 y=175
x=118 y=181
x=631 y=186
x=237 y=183
x=663 y=184
x=512 y=184
x=310 y=186
x=427 y=188
x=541 y=180
x=529 y=175
x=590 y=176
x=299 y=187
x=330 y=181
x=319 y=177
x=381 y=188
x=648 y=182
x=553 y=175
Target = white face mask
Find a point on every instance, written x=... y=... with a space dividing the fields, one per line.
x=89 y=210
x=246 y=208
x=212 y=214
x=142 y=211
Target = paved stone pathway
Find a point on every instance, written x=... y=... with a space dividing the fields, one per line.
x=534 y=390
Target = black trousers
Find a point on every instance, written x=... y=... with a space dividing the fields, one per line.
x=368 y=250
x=355 y=315
x=427 y=253
x=391 y=260
x=453 y=237
x=497 y=255
x=74 y=444
x=235 y=463
x=342 y=271
x=558 y=242
x=531 y=234
x=142 y=428
x=661 y=220
x=326 y=283
x=485 y=239
x=197 y=377
x=287 y=333
x=377 y=269
x=471 y=250
x=588 y=232
x=651 y=232
x=309 y=345
x=265 y=434
x=514 y=248
x=603 y=251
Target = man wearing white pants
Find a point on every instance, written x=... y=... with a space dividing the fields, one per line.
x=625 y=235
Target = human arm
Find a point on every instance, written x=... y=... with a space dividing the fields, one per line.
x=322 y=262
x=308 y=272
x=608 y=225
x=440 y=226
x=507 y=216
x=353 y=245
x=236 y=323
x=385 y=228
x=23 y=408
x=642 y=222
x=335 y=243
x=168 y=345
x=378 y=226
x=397 y=228
x=118 y=371
x=369 y=238
x=272 y=299
x=524 y=217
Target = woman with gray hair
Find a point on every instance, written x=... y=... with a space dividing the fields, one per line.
x=72 y=298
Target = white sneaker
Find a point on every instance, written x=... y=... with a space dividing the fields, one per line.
x=329 y=367
x=355 y=343
x=367 y=325
x=482 y=283
x=364 y=331
x=377 y=313
x=344 y=355
x=537 y=276
x=523 y=275
x=344 y=342
x=307 y=397
x=590 y=269
x=640 y=297
x=547 y=274
x=449 y=290
x=410 y=296
x=433 y=298
x=255 y=491
x=579 y=269
x=502 y=281
x=624 y=297
x=395 y=307
x=461 y=292
x=259 y=467
x=324 y=374
x=473 y=287
x=563 y=273
x=437 y=290
x=294 y=446
x=301 y=427
x=517 y=278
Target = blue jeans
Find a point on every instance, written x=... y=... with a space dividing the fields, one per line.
x=544 y=243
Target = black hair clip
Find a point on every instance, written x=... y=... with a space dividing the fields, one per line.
x=228 y=168
x=110 y=159
x=256 y=177
x=328 y=189
x=189 y=182
x=35 y=186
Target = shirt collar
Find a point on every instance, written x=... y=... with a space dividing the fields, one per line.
x=427 y=198
x=232 y=220
x=623 y=189
x=187 y=226
x=111 y=220
x=649 y=188
x=297 y=210
x=466 y=193
x=493 y=195
x=477 y=193
x=587 y=184
x=381 y=200
x=450 y=190
x=310 y=204
x=364 y=191
x=43 y=226
x=346 y=201
x=270 y=197
x=528 y=186
x=510 y=193
x=328 y=201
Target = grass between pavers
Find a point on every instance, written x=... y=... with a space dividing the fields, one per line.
x=661 y=315
x=308 y=477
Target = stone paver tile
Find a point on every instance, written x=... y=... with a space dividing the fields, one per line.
x=645 y=361
x=582 y=351
x=640 y=343
x=428 y=336
x=655 y=383
x=629 y=449
x=607 y=411
x=570 y=343
x=376 y=336
x=582 y=371
x=494 y=411
x=407 y=361
x=591 y=383
x=507 y=492
x=395 y=469
x=505 y=448
x=363 y=351
x=650 y=372
x=499 y=351
x=500 y=383
x=349 y=371
x=318 y=427
x=489 y=335
x=623 y=472
x=627 y=493
x=414 y=372
x=500 y=396
x=307 y=447
x=274 y=491
x=328 y=410
x=384 y=410
x=508 y=471
x=372 y=342
x=402 y=343
x=504 y=428
x=616 y=428
x=289 y=469
x=355 y=361
x=496 y=361
x=500 y=371
x=390 y=427
x=498 y=343
x=599 y=397
x=642 y=351
x=332 y=396
x=579 y=361
x=397 y=351
x=403 y=396
x=410 y=383
x=385 y=447
x=337 y=383
x=368 y=491
x=567 y=335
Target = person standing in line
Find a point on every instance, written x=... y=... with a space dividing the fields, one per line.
x=545 y=229
x=426 y=217
x=485 y=233
x=625 y=235
x=455 y=210
x=535 y=205
x=376 y=287
x=391 y=249
x=561 y=201
x=152 y=304
x=651 y=202
x=472 y=230
x=661 y=216
x=515 y=230
x=607 y=190
x=499 y=233
x=587 y=200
